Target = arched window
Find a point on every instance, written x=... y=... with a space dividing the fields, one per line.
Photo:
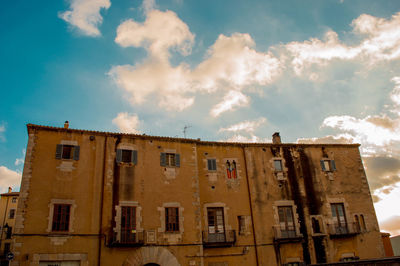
x=362 y=222
x=315 y=225
x=357 y=223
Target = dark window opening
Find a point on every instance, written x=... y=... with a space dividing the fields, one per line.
x=67 y=152
x=128 y=224
x=9 y=232
x=316 y=226
x=61 y=216
x=212 y=164
x=278 y=165
x=12 y=214
x=172 y=219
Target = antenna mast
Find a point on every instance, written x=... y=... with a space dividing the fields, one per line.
x=185 y=129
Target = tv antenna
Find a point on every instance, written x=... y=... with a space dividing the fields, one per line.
x=185 y=128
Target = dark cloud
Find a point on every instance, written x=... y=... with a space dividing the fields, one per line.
x=382 y=171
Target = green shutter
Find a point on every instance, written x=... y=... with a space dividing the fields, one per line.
x=323 y=165
x=214 y=163
x=177 y=160
x=163 y=159
x=119 y=156
x=59 y=149
x=76 y=153
x=134 y=157
x=333 y=165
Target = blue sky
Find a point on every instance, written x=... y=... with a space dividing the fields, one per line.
x=316 y=71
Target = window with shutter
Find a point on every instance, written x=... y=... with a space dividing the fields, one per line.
x=126 y=156
x=170 y=159
x=328 y=165
x=212 y=164
x=67 y=152
x=172 y=219
x=61 y=214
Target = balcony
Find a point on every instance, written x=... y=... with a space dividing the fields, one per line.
x=286 y=234
x=340 y=230
x=225 y=239
x=128 y=238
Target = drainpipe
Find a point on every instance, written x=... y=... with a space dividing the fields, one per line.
x=102 y=200
x=251 y=207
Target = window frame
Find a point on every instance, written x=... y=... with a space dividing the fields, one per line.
x=73 y=153
x=280 y=165
x=61 y=218
x=212 y=164
x=120 y=153
x=172 y=219
x=328 y=165
x=51 y=205
x=170 y=159
x=11 y=214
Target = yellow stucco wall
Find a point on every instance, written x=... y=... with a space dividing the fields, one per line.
x=96 y=187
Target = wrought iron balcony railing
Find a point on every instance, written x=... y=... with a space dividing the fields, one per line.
x=128 y=237
x=286 y=233
x=343 y=229
x=227 y=238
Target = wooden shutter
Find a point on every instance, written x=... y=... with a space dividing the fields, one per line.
x=59 y=151
x=177 y=160
x=119 y=156
x=333 y=165
x=214 y=162
x=323 y=165
x=76 y=153
x=163 y=158
x=134 y=157
x=209 y=164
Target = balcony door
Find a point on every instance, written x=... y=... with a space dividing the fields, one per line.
x=286 y=221
x=339 y=218
x=128 y=225
x=216 y=224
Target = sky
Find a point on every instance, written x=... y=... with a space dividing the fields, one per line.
x=317 y=71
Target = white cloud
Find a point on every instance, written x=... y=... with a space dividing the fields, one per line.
x=8 y=178
x=231 y=100
x=338 y=139
x=148 y=5
x=127 y=123
x=380 y=40
x=158 y=33
x=233 y=62
x=85 y=15
x=20 y=161
x=246 y=126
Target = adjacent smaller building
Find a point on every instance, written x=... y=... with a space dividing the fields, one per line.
x=8 y=209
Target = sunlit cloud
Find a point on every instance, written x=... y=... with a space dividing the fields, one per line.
x=9 y=178
x=127 y=123
x=2 y=131
x=20 y=161
x=85 y=15
x=231 y=100
x=246 y=126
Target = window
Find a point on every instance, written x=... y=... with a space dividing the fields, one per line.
x=11 y=215
x=212 y=164
x=242 y=225
x=362 y=223
x=315 y=225
x=14 y=200
x=216 y=220
x=126 y=156
x=61 y=215
x=9 y=232
x=231 y=169
x=171 y=219
x=170 y=159
x=7 y=248
x=128 y=224
x=67 y=152
x=328 y=165
x=286 y=221
x=278 y=165
x=339 y=218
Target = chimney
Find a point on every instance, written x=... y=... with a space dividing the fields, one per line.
x=66 y=124
x=276 y=139
x=9 y=189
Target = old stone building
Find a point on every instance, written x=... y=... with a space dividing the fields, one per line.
x=97 y=198
x=8 y=209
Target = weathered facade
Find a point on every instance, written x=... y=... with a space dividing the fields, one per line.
x=96 y=198
x=8 y=209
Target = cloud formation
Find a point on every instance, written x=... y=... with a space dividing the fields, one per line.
x=8 y=178
x=127 y=123
x=246 y=126
x=85 y=15
x=391 y=225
